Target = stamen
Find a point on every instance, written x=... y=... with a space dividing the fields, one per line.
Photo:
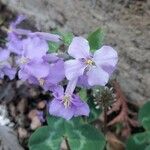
x=66 y=101
x=89 y=62
x=23 y=60
x=41 y=81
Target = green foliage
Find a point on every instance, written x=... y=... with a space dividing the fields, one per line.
x=96 y=39
x=53 y=47
x=83 y=94
x=80 y=136
x=144 y=116
x=45 y=139
x=94 y=113
x=67 y=38
x=141 y=141
x=132 y=145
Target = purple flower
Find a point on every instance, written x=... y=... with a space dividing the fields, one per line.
x=66 y=104
x=34 y=71
x=97 y=67
x=56 y=75
x=5 y=67
x=43 y=73
x=40 y=115
x=46 y=36
x=33 y=49
x=14 y=44
x=43 y=35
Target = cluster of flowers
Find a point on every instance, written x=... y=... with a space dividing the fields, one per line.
x=37 y=66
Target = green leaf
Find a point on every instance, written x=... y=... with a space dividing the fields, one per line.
x=141 y=138
x=86 y=137
x=53 y=47
x=96 y=39
x=94 y=113
x=45 y=139
x=132 y=145
x=83 y=94
x=148 y=147
x=80 y=136
x=55 y=122
x=144 y=116
x=67 y=38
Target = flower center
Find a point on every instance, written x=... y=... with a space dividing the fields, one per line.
x=66 y=101
x=41 y=81
x=89 y=62
x=24 y=60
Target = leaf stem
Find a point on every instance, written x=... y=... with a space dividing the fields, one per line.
x=67 y=144
x=105 y=119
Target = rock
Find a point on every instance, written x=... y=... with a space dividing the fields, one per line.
x=8 y=139
x=125 y=22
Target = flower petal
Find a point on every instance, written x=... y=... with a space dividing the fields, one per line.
x=10 y=72
x=19 y=19
x=58 y=92
x=83 y=81
x=79 y=48
x=57 y=108
x=38 y=69
x=34 y=48
x=46 y=36
x=97 y=76
x=14 y=44
x=4 y=55
x=81 y=108
x=71 y=86
x=107 y=58
x=23 y=74
x=57 y=72
x=73 y=69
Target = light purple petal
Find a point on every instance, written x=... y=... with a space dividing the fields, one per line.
x=4 y=55
x=57 y=108
x=46 y=36
x=83 y=81
x=97 y=76
x=33 y=80
x=71 y=86
x=51 y=58
x=79 y=48
x=23 y=74
x=38 y=69
x=19 y=19
x=56 y=73
x=106 y=58
x=1 y=74
x=10 y=72
x=81 y=108
x=35 y=48
x=74 y=68
x=14 y=44
x=21 y=31
x=58 y=92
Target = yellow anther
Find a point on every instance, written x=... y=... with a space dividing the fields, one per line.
x=89 y=62
x=23 y=60
x=41 y=81
x=66 y=101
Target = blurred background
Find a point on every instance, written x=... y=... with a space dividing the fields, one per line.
x=126 y=24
